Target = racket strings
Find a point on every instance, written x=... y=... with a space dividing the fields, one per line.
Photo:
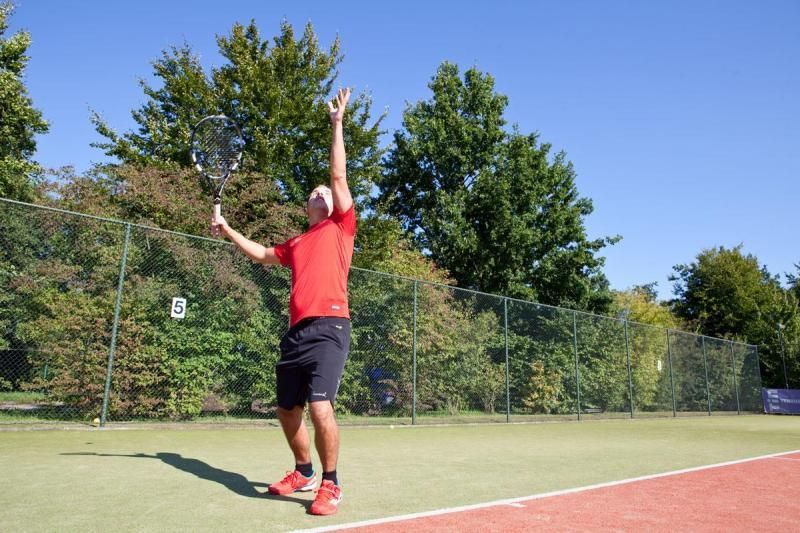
x=218 y=149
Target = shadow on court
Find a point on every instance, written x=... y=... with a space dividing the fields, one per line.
x=232 y=481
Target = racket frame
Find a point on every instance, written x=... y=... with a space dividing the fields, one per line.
x=216 y=182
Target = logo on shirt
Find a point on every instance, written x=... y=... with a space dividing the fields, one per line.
x=321 y=394
x=335 y=307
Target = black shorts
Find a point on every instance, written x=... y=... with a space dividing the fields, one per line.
x=313 y=353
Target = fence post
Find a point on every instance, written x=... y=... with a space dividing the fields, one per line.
x=115 y=325
x=758 y=365
x=577 y=369
x=705 y=366
x=414 y=363
x=783 y=356
x=508 y=381
x=628 y=359
x=671 y=378
x=735 y=385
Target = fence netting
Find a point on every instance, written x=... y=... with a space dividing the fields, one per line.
x=101 y=318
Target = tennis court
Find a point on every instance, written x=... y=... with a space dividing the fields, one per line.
x=174 y=477
x=760 y=496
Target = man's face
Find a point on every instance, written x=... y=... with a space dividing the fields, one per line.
x=320 y=200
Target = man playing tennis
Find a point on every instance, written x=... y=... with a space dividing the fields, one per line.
x=314 y=350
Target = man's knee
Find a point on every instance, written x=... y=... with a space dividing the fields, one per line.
x=292 y=414
x=321 y=413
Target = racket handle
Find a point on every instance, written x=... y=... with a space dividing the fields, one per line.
x=217 y=210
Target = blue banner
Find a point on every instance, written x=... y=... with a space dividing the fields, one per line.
x=781 y=401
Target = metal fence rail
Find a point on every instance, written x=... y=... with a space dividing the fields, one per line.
x=91 y=328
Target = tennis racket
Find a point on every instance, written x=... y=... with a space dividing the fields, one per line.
x=216 y=149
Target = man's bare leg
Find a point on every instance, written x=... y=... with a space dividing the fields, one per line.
x=296 y=433
x=326 y=434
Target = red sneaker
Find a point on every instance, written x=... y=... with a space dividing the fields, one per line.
x=293 y=482
x=328 y=497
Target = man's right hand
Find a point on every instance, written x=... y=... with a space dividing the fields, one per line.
x=219 y=226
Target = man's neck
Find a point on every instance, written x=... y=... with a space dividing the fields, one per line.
x=313 y=221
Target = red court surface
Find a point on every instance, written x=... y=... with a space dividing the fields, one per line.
x=752 y=495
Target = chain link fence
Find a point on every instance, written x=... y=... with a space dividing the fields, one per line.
x=101 y=318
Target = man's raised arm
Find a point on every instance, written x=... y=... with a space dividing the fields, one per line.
x=342 y=200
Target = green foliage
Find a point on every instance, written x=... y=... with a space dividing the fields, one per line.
x=647 y=330
x=639 y=305
x=689 y=368
x=724 y=292
x=64 y=291
x=18 y=255
x=224 y=348
x=458 y=341
x=603 y=364
x=382 y=245
x=60 y=276
x=541 y=359
x=727 y=294
x=377 y=376
x=276 y=91
x=168 y=197
x=458 y=337
x=544 y=390
x=650 y=371
x=794 y=282
x=488 y=205
x=19 y=121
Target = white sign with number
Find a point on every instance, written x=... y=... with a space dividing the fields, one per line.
x=178 y=309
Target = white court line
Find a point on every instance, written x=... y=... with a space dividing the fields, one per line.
x=797 y=460
x=512 y=501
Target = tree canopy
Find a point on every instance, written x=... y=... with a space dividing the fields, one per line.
x=20 y=122
x=277 y=92
x=639 y=304
x=491 y=206
x=727 y=293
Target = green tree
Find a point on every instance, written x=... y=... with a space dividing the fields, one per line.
x=725 y=293
x=794 y=282
x=276 y=91
x=59 y=276
x=541 y=359
x=19 y=120
x=639 y=305
x=169 y=198
x=648 y=322
x=382 y=245
x=491 y=206
x=791 y=329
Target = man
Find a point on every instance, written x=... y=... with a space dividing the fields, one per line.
x=314 y=350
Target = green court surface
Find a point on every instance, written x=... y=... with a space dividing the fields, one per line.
x=177 y=478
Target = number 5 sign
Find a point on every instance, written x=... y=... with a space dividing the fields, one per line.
x=178 y=309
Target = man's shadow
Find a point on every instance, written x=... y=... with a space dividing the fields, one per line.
x=232 y=481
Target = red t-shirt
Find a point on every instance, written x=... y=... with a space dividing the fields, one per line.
x=320 y=262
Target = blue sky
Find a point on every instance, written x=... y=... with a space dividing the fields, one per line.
x=682 y=118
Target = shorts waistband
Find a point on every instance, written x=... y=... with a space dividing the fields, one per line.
x=310 y=319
